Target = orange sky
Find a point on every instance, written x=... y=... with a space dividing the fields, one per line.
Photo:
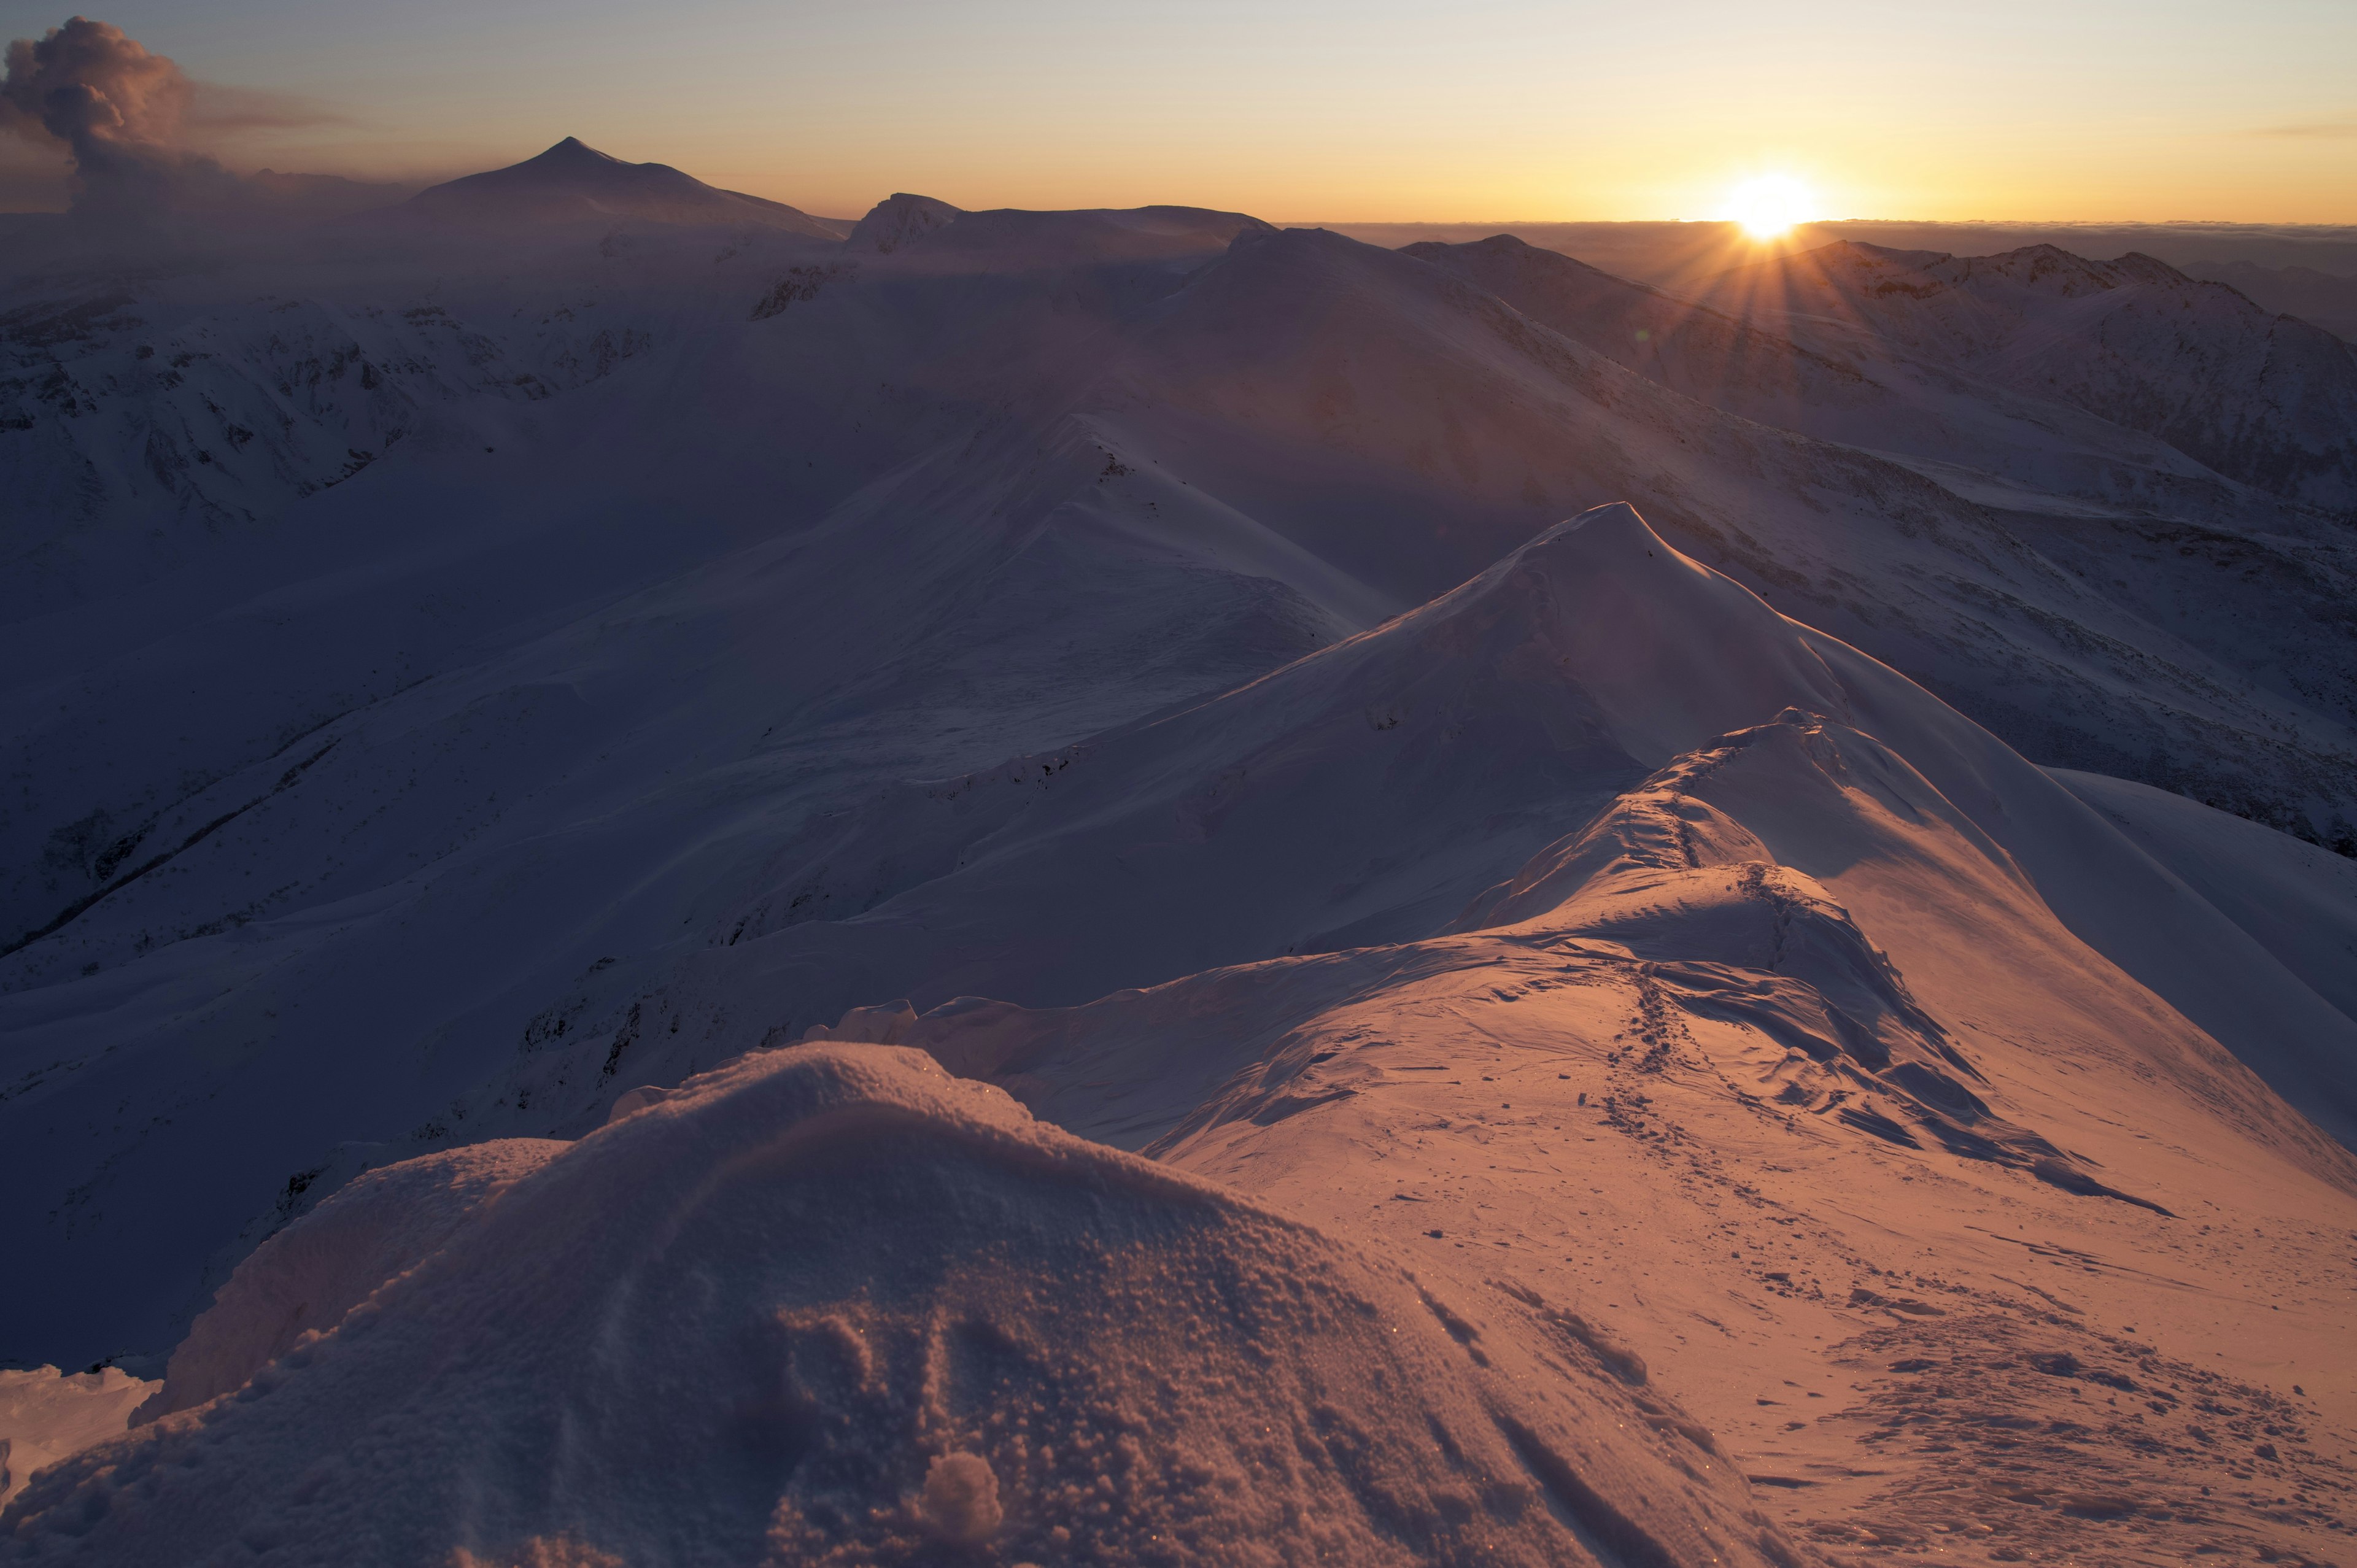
x=2095 y=110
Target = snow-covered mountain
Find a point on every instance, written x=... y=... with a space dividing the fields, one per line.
x=2265 y=399
x=575 y=183
x=1203 y=679
x=2326 y=299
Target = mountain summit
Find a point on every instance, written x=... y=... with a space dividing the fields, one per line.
x=575 y=183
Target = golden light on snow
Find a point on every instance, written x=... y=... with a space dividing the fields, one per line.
x=1769 y=204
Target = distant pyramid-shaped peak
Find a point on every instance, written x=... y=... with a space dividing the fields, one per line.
x=574 y=150
x=573 y=182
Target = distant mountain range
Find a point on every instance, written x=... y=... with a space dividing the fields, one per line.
x=2326 y=299
x=1741 y=894
x=1675 y=255
x=2265 y=399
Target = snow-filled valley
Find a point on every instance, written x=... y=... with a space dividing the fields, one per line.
x=681 y=883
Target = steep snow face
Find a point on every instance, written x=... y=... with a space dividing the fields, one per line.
x=2327 y=299
x=2265 y=399
x=300 y=1284
x=2297 y=901
x=575 y=183
x=832 y=1306
x=899 y=220
x=1717 y=860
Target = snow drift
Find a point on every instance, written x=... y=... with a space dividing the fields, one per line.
x=829 y=1305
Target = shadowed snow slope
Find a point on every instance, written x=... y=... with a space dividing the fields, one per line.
x=832 y=1306
x=2265 y=399
x=1049 y=239
x=2297 y=901
x=1364 y=794
x=1855 y=392
x=383 y=1222
x=1341 y=393
x=1360 y=794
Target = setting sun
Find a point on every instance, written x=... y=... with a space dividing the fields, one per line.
x=1769 y=204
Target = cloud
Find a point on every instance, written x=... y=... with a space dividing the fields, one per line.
x=216 y=111
x=34 y=178
x=2314 y=128
x=131 y=119
x=94 y=89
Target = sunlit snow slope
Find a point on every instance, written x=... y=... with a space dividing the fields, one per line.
x=832 y=1306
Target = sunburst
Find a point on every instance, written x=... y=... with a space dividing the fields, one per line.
x=1768 y=205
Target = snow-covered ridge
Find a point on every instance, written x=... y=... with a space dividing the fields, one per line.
x=1521 y=800
x=830 y=1307
x=2265 y=399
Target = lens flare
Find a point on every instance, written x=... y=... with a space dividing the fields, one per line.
x=1769 y=204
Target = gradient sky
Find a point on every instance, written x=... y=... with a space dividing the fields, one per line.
x=2096 y=110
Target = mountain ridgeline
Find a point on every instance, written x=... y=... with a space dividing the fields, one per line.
x=664 y=863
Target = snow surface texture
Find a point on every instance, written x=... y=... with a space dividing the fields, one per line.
x=467 y=680
x=46 y=1414
x=382 y=1223
x=1787 y=963
x=832 y=1306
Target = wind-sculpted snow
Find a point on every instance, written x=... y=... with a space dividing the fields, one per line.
x=831 y=1306
x=304 y=1280
x=46 y=1414
x=1785 y=1056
